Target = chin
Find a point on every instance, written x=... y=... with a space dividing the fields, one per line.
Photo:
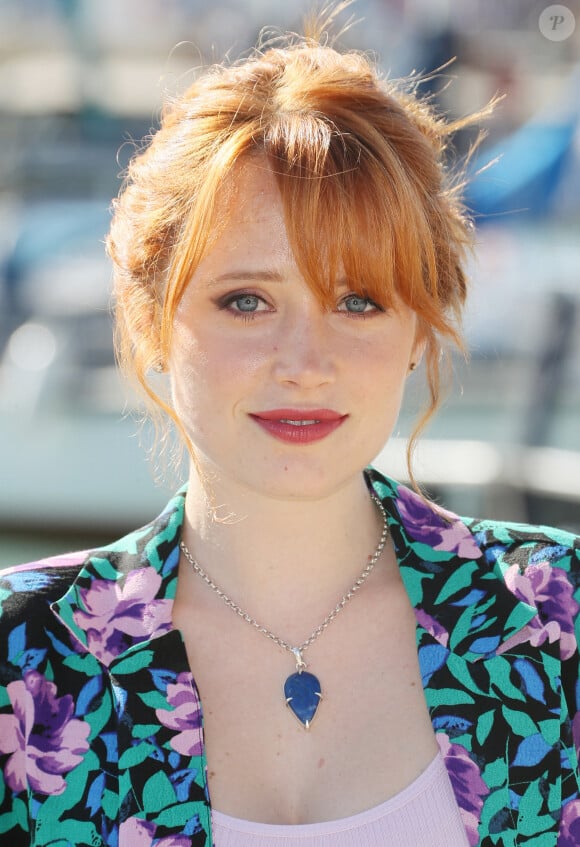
x=303 y=480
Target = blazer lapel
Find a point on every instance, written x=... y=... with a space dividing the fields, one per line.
x=120 y=610
x=494 y=698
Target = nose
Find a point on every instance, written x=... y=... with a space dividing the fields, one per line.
x=304 y=353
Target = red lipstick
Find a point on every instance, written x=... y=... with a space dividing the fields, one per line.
x=299 y=426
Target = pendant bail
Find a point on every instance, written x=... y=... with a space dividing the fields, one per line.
x=300 y=663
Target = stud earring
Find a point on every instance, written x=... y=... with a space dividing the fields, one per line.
x=412 y=366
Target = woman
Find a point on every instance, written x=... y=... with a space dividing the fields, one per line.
x=287 y=250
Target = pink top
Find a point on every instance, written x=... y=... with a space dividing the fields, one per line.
x=425 y=814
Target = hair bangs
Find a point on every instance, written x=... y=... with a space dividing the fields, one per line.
x=351 y=214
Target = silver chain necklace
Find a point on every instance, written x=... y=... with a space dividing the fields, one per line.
x=302 y=690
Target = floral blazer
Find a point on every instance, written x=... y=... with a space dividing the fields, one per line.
x=101 y=731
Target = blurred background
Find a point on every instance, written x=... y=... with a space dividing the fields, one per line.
x=82 y=81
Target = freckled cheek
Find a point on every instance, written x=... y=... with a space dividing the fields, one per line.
x=238 y=361
x=385 y=361
x=206 y=371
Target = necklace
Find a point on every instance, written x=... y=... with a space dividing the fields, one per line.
x=302 y=690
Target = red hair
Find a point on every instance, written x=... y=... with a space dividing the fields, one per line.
x=359 y=162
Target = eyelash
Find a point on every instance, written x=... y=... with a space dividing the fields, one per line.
x=363 y=315
x=225 y=303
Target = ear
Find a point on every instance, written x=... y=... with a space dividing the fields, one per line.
x=418 y=349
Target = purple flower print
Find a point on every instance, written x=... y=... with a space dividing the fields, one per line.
x=119 y=614
x=135 y=832
x=549 y=590
x=467 y=784
x=44 y=739
x=569 y=835
x=184 y=717
x=432 y=626
x=434 y=526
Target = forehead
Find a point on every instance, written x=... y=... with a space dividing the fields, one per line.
x=249 y=194
x=248 y=232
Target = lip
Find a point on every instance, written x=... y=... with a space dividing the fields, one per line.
x=272 y=422
x=299 y=415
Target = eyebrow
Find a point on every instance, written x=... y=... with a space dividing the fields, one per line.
x=246 y=275
x=258 y=276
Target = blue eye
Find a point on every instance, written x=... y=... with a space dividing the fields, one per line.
x=355 y=303
x=242 y=304
x=247 y=303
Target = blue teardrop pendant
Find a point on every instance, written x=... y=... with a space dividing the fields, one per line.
x=303 y=694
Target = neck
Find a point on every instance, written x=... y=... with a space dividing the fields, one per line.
x=278 y=554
